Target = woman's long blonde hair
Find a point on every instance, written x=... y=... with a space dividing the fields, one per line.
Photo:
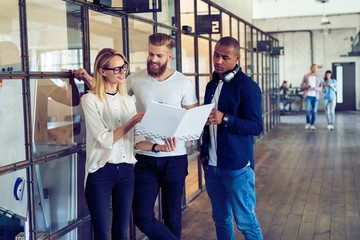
x=102 y=61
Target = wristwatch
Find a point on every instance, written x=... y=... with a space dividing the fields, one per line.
x=153 y=148
x=225 y=120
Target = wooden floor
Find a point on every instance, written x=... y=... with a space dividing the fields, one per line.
x=308 y=183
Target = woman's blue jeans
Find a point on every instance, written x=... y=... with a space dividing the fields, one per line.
x=311 y=105
x=232 y=193
x=111 y=183
x=329 y=106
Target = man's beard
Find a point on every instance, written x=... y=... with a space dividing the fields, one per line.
x=156 y=72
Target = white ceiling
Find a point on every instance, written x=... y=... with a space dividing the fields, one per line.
x=263 y=9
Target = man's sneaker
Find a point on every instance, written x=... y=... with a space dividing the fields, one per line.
x=307 y=126
x=312 y=127
x=329 y=127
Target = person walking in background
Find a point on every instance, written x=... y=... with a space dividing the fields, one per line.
x=311 y=85
x=227 y=143
x=110 y=117
x=329 y=89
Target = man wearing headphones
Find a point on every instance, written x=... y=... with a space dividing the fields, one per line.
x=227 y=144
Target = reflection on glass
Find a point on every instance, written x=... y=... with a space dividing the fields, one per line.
x=203 y=56
x=202 y=7
x=172 y=62
x=167 y=12
x=74 y=235
x=12 y=135
x=9 y=36
x=55 y=44
x=249 y=63
x=191 y=181
x=13 y=205
x=187 y=13
x=54 y=25
x=213 y=43
x=139 y=35
x=105 y=32
x=55 y=120
x=256 y=60
x=225 y=24
x=187 y=53
x=203 y=81
x=242 y=35
x=234 y=28
x=9 y=57
x=144 y=15
x=243 y=60
x=249 y=41
x=55 y=193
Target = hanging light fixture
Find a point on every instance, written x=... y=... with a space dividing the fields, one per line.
x=324 y=19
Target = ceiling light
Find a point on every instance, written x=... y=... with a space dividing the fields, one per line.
x=325 y=21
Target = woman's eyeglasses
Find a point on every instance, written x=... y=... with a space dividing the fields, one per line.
x=117 y=70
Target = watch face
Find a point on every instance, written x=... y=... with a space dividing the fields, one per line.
x=226 y=118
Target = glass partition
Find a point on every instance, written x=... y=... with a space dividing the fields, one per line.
x=214 y=10
x=55 y=45
x=54 y=36
x=225 y=24
x=234 y=28
x=187 y=13
x=13 y=207
x=172 y=62
x=57 y=116
x=167 y=12
x=204 y=56
x=56 y=193
x=139 y=34
x=242 y=35
x=105 y=32
x=243 y=59
x=9 y=37
x=12 y=133
x=187 y=54
x=191 y=181
x=202 y=85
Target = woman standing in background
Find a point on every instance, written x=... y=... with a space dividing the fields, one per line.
x=329 y=89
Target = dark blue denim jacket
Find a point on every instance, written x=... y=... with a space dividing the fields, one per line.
x=240 y=99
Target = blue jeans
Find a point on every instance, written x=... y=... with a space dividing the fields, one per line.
x=329 y=106
x=151 y=174
x=232 y=192
x=311 y=105
x=111 y=183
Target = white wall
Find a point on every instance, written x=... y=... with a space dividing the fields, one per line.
x=300 y=8
x=241 y=8
x=309 y=22
x=327 y=49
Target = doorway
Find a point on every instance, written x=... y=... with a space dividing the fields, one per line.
x=344 y=73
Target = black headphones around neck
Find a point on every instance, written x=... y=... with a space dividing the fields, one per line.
x=227 y=76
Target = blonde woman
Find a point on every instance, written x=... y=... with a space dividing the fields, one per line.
x=110 y=117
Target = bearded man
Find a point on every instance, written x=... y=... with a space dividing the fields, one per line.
x=160 y=170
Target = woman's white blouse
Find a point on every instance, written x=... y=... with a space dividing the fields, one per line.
x=101 y=119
